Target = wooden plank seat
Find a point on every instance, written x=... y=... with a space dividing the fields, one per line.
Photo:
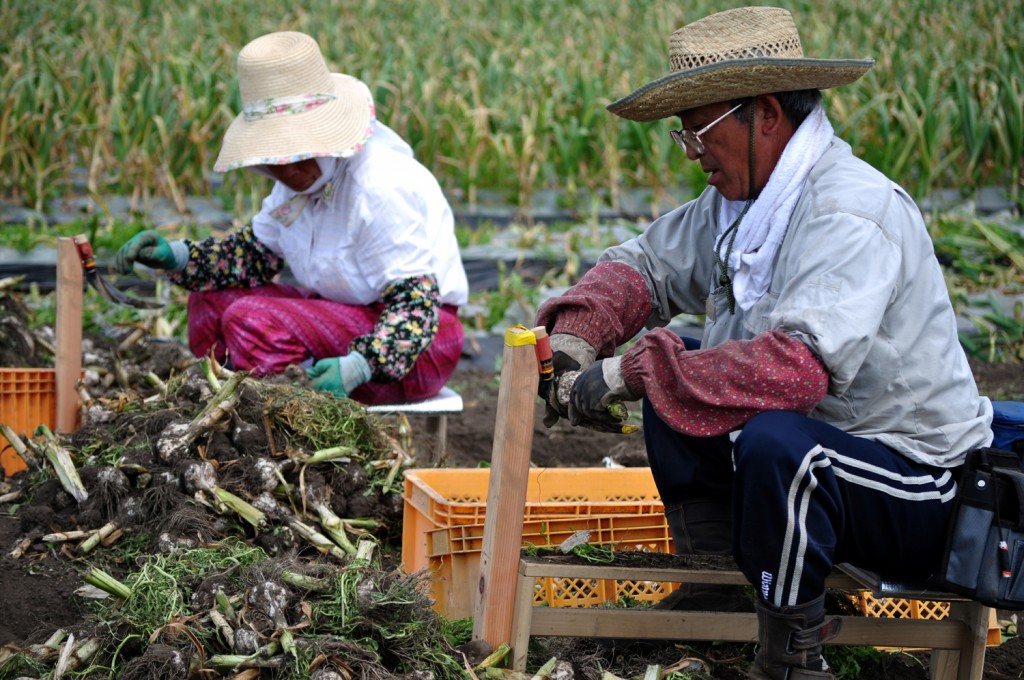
x=436 y=410
x=957 y=643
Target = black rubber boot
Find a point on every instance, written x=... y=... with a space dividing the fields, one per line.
x=790 y=642
x=703 y=528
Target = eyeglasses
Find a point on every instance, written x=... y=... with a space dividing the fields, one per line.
x=688 y=138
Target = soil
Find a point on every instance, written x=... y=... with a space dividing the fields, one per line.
x=37 y=591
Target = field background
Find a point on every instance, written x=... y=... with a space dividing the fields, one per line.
x=111 y=111
x=500 y=98
x=104 y=100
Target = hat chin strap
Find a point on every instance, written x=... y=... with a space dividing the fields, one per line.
x=723 y=261
x=753 y=112
x=328 y=168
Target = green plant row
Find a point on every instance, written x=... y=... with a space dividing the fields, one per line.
x=132 y=96
x=977 y=257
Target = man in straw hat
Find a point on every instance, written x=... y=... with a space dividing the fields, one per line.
x=363 y=226
x=829 y=349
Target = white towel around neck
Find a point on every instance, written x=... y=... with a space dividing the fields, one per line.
x=762 y=229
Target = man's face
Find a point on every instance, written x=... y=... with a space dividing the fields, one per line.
x=297 y=176
x=726 y=154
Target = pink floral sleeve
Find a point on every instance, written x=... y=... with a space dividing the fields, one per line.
x=713 y=391
x=239 y=260
x=406 y=327
x=607 y=307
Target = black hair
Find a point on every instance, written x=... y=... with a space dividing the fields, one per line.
x=796 y=105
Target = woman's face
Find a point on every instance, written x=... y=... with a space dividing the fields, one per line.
x=297 y=176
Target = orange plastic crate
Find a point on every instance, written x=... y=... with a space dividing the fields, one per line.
x=444 y=522
x=448 y=497
x=649 y=533
x=28 y=399
x=454 y=560
x=898 y=608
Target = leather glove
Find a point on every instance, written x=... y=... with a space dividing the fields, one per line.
x=594 y=393
x=569 y=354
x=148 y=248
x=339 y=375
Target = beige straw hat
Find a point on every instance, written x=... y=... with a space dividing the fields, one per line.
x=731 y=55
x=293 y=108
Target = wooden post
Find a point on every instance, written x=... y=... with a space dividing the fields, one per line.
x=506 y=489
x=69 y=334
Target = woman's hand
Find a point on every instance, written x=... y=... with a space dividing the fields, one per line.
x=339 y=375
x=148 y=248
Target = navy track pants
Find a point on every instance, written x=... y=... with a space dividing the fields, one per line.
x=805 y=496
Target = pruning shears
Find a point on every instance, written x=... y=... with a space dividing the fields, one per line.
x=107 y=290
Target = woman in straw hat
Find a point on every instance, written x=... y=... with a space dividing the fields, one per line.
x=364 y=228
x=829 y=348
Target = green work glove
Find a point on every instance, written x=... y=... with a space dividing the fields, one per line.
x=148 y=248
x=339 y=375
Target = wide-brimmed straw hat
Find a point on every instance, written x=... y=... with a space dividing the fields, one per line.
x=731 y=55
x=293 y=107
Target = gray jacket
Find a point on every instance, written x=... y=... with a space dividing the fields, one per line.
x=856 y=279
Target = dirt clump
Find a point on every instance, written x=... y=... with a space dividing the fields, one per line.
x=257 y=498
x=20 y=346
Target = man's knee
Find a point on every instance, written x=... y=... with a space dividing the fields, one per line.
x=770 y=436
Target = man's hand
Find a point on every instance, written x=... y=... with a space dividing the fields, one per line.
x=594 y=400
x=339 y=375
x=569 y=356
x=148 y=248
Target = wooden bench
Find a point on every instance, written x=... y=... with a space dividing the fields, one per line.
x=436 y=410
x=957 y=642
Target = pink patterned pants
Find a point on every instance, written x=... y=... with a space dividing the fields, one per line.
x=265 y=329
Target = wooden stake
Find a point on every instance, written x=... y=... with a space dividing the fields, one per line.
x=69 y=334
x=506 y=489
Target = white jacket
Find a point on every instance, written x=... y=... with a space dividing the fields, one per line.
x=384 y=218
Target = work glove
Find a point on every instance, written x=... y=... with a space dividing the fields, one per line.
x=339 y=375
x=597 y=396
x=569 y=355
x=148 y=248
